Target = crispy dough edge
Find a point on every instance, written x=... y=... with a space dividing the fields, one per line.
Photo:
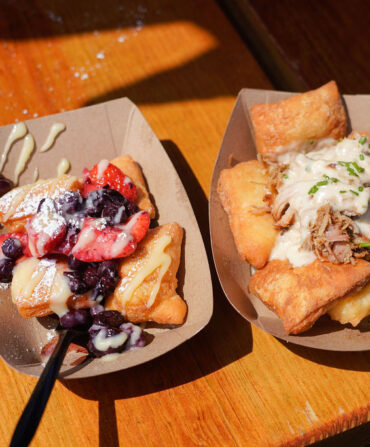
x=312 y=115
x=239 y=189
x=309 y=290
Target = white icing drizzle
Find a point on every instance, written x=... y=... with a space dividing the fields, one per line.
x=63 y=167
x=102 y=342
x=18 y=131
x=35 y=174
x=158 y=259
x=26 y=151
x=55 y=130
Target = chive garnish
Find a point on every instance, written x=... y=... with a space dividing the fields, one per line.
x=325 y=176
x=334 y=180
x=313 y=189
x=342 y=192
x=285 y=176
x=322 y=183
x=360 y=188
x=364 y=244
x=357 y=167
x=362 y=157
x=311 y=142
x=354 y=192
x=362 y=140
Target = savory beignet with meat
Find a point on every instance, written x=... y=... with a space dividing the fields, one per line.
x=147 y=289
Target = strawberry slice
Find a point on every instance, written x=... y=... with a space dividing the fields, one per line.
x=104 y=173
x=46 y=229
x=98 y=242
x=23 y=239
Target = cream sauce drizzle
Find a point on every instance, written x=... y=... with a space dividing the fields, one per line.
x=26 y=151
x=102 y=342
x=346 y=193
x=35 y=174
x=158 y=259
x=55 y=130
x=63 y=167
x=18 y=131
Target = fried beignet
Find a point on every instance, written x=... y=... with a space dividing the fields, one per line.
x=129 y=167
x=39 y=288
x=147 y=290
x=297 y=122
x=241 y=190
x=353 y=308
x=21 y=203
x=300 y=295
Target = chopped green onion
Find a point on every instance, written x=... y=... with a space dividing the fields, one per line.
x=311 y=142
x=352 y=172
x=362 y=157
x=360 y=188
x=342 y=192
x=364 y=244
x=322 y=183
x=313 y=189
x=362 y=140
x=357 y=167
x=325 y=176
x=342 y=163
x=285 y=176
x=334 y=180
x=354 y=192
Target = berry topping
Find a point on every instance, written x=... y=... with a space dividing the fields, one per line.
x=21 y=237
x=6 y=269
x=5 y=185
x=91 y=276
x=75 y=317
x=70 y=202
x=76 y=282
x=106 y=340
x=46 y=229
x=109 y=318
x=12 y=248
x=75 y=264
x=96 y=309
x=98 y=242
x=104 y=173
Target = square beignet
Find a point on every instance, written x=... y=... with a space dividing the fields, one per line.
x=21 y=203
x=147 y=289
x=129 y=167
x=297 y=123
x=241 y=190
x=39 y=288
x=300 y=295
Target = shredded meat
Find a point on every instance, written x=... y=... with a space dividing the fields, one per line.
x=276 y=173
x=333 y=238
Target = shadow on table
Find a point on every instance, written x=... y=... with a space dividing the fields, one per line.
x=226 y=339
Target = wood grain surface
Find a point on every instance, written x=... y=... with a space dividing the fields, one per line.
x=182 y=63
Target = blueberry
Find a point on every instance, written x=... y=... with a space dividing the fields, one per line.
x=115 y=214
x=109 y=318
x=91 y=276
x=6 y=269
x=108 y=268
x=75 y=282
x=76 y=264
x=70 y=202
x=94 y=203
x=5 y=185
x=135 y=335
x=12 y=248
x=105 y=333
x=75 y=317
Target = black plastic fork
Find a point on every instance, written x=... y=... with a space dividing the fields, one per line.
x=31 y=416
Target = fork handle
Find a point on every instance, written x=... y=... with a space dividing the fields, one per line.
x=31 y=416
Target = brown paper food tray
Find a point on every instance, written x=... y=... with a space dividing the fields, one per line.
x=106 y=131
x=233 y=273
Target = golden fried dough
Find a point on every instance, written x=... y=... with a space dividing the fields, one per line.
x=147 y=290
x=39 y=288
x=241 y=190
x=293 y=123
x=299 y=296
x=21 y=203
x=353 y=308
x=129 y=167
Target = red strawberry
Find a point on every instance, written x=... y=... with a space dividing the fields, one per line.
x=46 y=229
x=22 y=237
x=104 y=173
x=98 y=242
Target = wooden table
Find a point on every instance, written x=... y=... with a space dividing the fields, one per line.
x=182 y=63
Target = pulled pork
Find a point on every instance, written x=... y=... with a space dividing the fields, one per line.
x=333 y=238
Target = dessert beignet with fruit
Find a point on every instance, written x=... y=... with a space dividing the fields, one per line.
x=82 y=249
